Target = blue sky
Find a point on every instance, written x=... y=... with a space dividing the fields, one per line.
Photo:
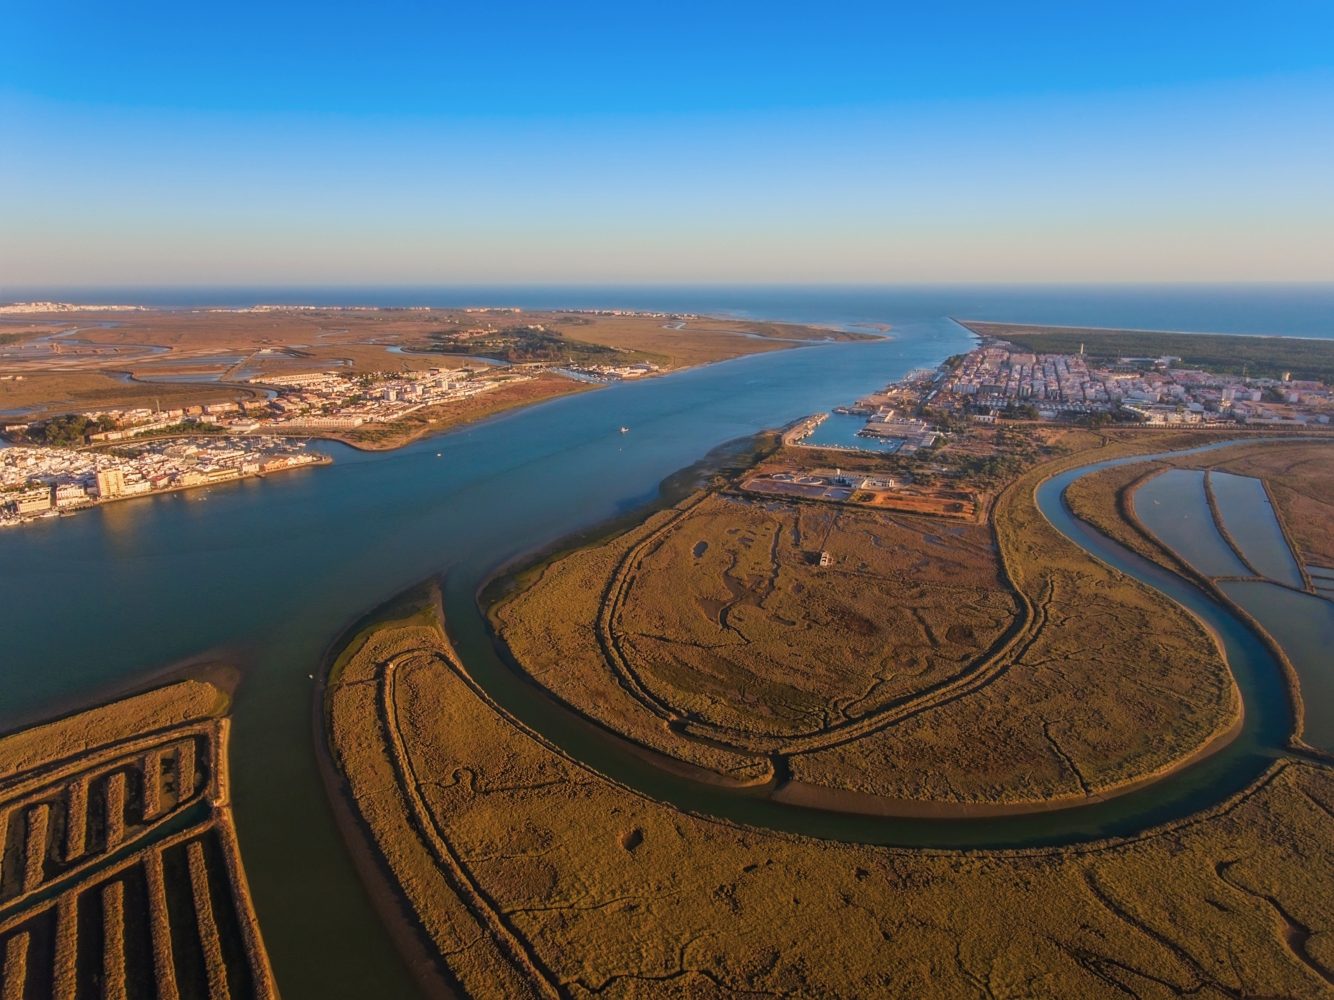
x=425 y=143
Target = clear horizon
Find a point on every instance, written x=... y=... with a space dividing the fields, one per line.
x=599 y=145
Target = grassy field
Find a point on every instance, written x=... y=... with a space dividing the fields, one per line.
x=534 y=877
x=788 y=647
x=322 y=338
x=932 y=662
x=551 y=626
x=524 y=345
x=729 y=621
x=1301 y=480
x=1259 y=357
x=698 y=341
x=1106 y=684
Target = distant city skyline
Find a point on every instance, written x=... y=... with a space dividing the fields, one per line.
x=408 y=144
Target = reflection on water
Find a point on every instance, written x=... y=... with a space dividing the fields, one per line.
x=1251 y=523
x=1174 y=506
x=840 y=430
x=1304 y=625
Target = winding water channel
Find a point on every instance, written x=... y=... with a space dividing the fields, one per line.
x=265 y=574
x=1268 y=722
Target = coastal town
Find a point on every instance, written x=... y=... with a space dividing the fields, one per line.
x=999 y=382
x=126 y=401
x=76 y=461
x=938 y=440
x=334 y=400
x=1155 y=391
x=299 y=403
x=47 y=482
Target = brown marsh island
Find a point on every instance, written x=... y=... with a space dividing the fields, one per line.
x=894 y=635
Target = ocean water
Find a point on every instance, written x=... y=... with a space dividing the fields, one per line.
x=1298 y=310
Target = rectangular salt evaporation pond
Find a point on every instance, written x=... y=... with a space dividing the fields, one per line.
x=1174 y=507
x=1304 y=626
x=1322 y=577
x=1250 y=521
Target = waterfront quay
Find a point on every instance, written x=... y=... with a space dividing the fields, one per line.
x=996 y=381
x=47 y=482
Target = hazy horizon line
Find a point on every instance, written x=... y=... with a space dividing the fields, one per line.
x=410 y=285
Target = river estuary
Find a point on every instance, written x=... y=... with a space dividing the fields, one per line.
x=266 y=573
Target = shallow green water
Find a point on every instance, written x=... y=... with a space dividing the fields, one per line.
x=1173 y=506
x=1306 y=624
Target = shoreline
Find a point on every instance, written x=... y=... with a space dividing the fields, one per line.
x=1292 y=680
x=55 y=513
x=580 y=388
x=434 y=429
x=576 y=387
x=498 y=585
x=1043 y=327
x=375 y=876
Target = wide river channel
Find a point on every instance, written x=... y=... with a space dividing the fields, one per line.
x=265 y=574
